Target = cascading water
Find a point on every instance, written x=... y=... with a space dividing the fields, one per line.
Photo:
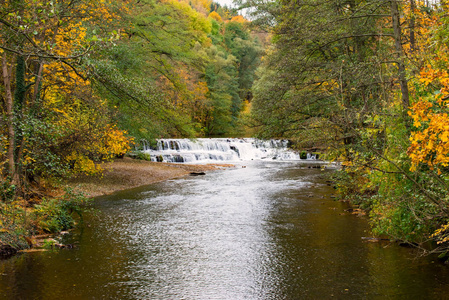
x=220 y=149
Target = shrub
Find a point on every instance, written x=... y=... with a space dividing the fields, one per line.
x=57 y=214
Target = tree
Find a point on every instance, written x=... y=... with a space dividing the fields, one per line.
x=328 y=66
x=42 y=46
x=151 y=74
x=234 y=57
x=342 y=76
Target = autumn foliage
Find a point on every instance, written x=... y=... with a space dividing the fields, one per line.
x=85 y=81
x=430 y=139
x=367 y=83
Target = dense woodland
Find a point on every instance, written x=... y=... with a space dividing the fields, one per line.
x=365 y=83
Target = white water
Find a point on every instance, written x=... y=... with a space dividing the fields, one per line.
x=221 y=149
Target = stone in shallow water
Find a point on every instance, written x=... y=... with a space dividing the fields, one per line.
x=197 y=173
x=7 y=251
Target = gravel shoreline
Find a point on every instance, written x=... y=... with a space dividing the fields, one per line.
x=127 y=173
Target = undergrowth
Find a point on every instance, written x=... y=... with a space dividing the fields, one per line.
x=19 y=219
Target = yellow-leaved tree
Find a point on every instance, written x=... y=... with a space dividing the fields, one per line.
x=54 y=125
x=429 y=140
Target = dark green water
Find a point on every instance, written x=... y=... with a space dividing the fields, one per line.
x=267 y=231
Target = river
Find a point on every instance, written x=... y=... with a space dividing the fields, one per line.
x=262 y=230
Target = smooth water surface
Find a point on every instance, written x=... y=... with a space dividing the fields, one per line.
x=269 y=230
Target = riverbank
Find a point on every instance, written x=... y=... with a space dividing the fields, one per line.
x=127 y=173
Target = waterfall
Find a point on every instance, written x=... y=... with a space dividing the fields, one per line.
x=220 y=150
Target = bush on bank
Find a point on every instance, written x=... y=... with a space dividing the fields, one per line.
x=406 y=203
x=19 y=220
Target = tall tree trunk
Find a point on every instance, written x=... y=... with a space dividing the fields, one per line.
x=19 y=104
x=20 y=90
x=400 y=55
x=37 y=85
x=412 y=25
x=9 y=117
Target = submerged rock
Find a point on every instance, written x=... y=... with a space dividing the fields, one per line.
x=197 y=173
x=7 y=251
x=65 y=246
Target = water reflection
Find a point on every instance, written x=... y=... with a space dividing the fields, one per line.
x=267 y=231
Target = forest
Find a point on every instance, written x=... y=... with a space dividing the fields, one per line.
x=362 y=82
x=366 y=82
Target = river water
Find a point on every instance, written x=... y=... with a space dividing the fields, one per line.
x=263 y=230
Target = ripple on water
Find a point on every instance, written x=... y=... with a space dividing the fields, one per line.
x=260 y=232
